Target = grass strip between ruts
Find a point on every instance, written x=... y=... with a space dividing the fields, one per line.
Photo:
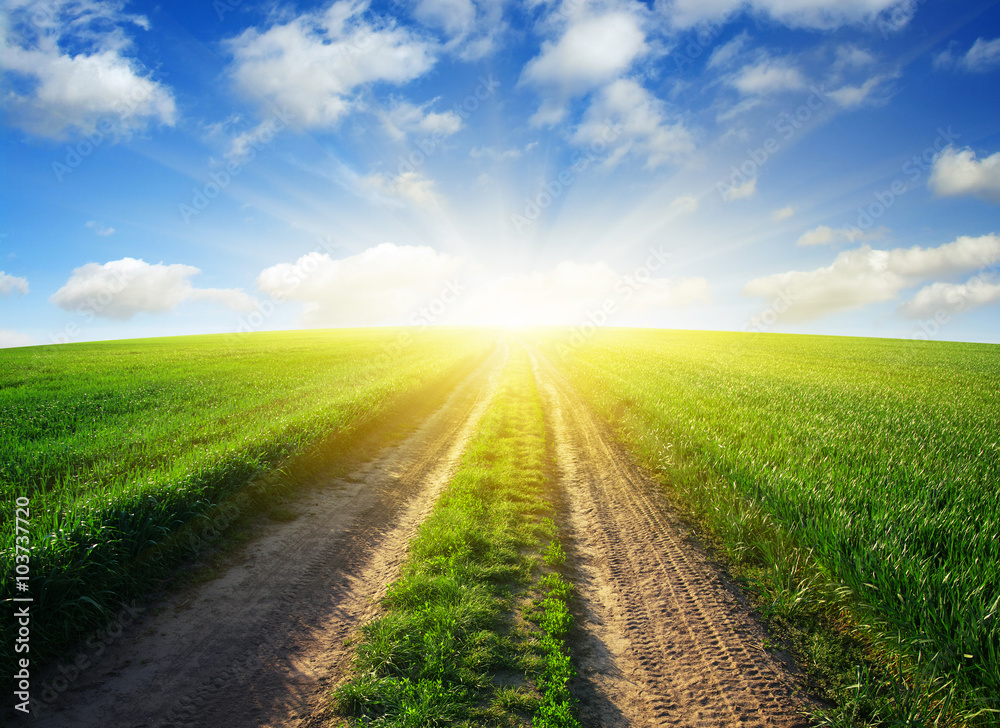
x=474 y=629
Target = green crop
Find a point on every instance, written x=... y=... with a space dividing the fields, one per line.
x=132 y=453
x=880 y=457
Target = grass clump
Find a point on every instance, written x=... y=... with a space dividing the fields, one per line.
x=452 y=647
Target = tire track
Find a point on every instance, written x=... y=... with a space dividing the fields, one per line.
x=263 y=644
x=663 y=640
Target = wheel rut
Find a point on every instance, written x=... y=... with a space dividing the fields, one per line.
x=663 y=639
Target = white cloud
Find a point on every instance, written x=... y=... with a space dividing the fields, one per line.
x=10 y=339
x=471 y=30
x=381 y=285
x=863 y=276
x=403 y=118
x=783 y=214
x=853 y=96
x=851 y=57
x=958 y=172
x=97 y=87
x=768 y=76
x=825 y=235
x=744 y=192
x=455 y=17
x=100 y=228
x=822 y=14
x=311 y=66
x=638 y=126
x=119 y=289
x=592 y=51
x=952 y=298
x=494 y=154
x=983 y=56
x=411 y=187
x=12 y=284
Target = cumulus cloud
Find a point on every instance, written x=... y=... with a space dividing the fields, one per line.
x=382 y=285
x=825 y=235
x=638 y=126
x=10 y=339
x=783 y=214
x=96 y=87
x=957 y=172
x=120 y=289
x=592 y=51
x=821 y=14
x=311 y=66
x=10 y=285
x=864 y=276
x=403 y=118
x=567 y=292
x=952 y=298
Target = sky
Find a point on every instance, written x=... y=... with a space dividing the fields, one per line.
x=787 y=166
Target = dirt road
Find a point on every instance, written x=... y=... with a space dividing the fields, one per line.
x=662 y=639
x=262 y=644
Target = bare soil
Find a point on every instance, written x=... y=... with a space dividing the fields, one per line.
x=263 y=644
x=662 y=637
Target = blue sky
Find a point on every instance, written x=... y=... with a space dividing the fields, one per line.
x=805 y=166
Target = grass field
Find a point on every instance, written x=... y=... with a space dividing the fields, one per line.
x=823 y=462
x=128 y=450
x=475 y=598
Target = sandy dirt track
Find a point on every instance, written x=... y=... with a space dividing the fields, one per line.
x=662 y=639
x=263 y=644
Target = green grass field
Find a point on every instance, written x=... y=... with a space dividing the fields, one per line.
x=878 y=461
x=853 y=484
x=127 y=449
